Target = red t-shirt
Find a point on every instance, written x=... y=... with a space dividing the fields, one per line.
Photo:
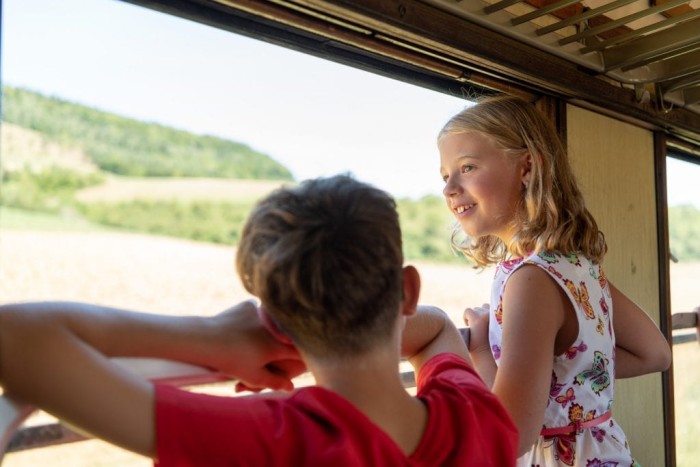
x=313 y=426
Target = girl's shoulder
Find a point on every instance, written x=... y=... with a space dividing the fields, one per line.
x=560 y=266
x=558 y=260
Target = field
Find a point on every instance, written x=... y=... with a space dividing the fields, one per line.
x=181 y=277
x=120 y=189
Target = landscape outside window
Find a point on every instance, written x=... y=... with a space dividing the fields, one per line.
x=131 y=156
x=684 y=232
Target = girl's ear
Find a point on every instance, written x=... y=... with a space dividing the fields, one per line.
x=526 y=169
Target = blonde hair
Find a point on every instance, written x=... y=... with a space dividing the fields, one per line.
x=552 y=215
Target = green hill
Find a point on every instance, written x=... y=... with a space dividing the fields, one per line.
x=684 y=232
x=129 y=147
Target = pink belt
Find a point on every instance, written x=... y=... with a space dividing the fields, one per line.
x=576 y=427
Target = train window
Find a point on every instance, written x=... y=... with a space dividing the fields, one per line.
x=684 y=233
x=132 y=149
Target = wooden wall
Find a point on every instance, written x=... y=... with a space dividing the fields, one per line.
x=614 y=163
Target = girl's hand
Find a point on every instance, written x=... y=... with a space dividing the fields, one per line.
x=477 y=320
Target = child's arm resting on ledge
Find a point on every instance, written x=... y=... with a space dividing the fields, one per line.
x=55 y=355
x=430 y=332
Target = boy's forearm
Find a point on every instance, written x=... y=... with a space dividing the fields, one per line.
x=44 y=362
x=111 y=331
x=428 y=333
x=421 y=329
x=233 y=342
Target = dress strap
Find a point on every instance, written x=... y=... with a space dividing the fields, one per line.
x=576 y=427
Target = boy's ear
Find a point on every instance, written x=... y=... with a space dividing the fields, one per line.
x=411 y=290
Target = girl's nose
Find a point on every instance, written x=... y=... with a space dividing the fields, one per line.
x=451 y=188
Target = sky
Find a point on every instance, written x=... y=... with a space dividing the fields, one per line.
x=314 y=116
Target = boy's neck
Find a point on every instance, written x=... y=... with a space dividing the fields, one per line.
x=373 y=385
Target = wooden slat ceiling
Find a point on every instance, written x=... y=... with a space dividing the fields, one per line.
x=651 y=45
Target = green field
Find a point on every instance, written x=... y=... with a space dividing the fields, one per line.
x=11 y=218
x=117 y=189
x=686 y=368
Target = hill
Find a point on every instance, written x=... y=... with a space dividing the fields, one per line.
x=684 y=232
x=25 y=149
x=129 y=147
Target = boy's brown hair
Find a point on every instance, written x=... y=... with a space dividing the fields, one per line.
x=325 y=259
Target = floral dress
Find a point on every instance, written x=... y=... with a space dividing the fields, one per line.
x=578 y=430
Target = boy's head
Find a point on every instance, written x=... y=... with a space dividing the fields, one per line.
x=326 y=261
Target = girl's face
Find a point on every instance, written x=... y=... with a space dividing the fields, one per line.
x=482 y=185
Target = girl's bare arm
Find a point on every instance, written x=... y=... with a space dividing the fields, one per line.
x=534 y=308
x=477 y=320
x=640 y=346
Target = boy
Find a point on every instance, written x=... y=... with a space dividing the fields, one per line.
x=325 y=260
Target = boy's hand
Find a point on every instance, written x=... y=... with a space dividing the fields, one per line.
x=248 y=352
x=477 y=320
x=287 y=369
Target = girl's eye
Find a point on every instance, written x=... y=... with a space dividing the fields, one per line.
x=467 y=168
x=444 y=178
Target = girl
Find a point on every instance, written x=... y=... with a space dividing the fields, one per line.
x=549 y=346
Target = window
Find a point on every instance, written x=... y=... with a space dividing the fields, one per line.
x=684 y=233
x=75 y=228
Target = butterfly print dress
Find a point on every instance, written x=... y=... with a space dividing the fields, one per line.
x=577 y=429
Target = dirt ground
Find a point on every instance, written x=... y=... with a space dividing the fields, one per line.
x=182 y=277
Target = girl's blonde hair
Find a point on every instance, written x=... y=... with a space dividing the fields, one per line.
x=552 y=215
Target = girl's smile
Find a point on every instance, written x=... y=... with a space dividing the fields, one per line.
x=462 y=209
x=483 y=185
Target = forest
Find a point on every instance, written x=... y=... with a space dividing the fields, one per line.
x=128 y=147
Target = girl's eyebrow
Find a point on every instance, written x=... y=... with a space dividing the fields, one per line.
x=464 y=157
x=469 y=156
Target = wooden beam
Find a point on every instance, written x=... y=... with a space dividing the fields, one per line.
x=677 y=11
x=503 y=57
x=447 y=39
x=685 y=320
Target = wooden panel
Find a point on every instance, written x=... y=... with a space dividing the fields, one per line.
x=614 y=163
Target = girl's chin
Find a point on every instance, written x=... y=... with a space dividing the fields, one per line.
x=469 y=231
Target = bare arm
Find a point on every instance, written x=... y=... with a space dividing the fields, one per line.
x=428 y=333
x=477 y=320
x=534 y=308
x=640 y=346
x=56 y=356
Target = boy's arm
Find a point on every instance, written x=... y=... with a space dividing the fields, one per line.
x=56 y=356
x=430 y=332
x=640 y=348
